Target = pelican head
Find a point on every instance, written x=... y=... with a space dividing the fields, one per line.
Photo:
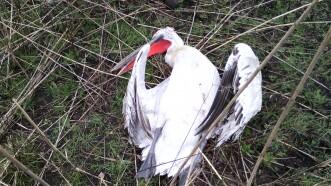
x=163 y=40
x=168 y=34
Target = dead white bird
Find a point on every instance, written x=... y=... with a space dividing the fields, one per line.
x=167 y=121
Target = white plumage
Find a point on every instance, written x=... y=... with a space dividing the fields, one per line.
x=167 y=121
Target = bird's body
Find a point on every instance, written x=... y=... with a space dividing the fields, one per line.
x=183 y=105
x=167 y=121
x=176 y=107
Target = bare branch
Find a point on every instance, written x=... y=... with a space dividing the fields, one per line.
x=19 y=165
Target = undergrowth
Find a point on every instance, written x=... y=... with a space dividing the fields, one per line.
x=56 y=59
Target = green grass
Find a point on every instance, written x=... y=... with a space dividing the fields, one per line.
x=79 y=108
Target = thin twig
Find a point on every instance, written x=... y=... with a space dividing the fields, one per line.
x=290 y=104
x=51 y=144
x=191 y=27
x=212 y=167
x=19 y=165
x=43 y=135
x=301 y=151
x=260 y=25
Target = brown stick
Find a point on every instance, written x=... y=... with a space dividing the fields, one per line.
x=43 y=135
x=290 y=104
x=19 y=165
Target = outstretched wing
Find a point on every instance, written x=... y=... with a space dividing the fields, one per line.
x=240 y=65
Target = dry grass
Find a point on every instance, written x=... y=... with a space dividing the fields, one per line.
x=55 y=61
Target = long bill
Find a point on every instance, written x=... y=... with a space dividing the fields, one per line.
x=158 y=46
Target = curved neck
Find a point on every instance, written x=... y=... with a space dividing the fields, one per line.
x=139 y=71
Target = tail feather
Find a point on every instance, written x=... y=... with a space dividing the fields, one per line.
x=183 y=177
x=148 y=168
x=193 y=169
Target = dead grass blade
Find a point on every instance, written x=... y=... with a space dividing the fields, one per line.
x=43 y=135
x=212 y=167
x=19 y=165
x=260 y=25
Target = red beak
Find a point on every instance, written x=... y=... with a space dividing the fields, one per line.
x=158 y=46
